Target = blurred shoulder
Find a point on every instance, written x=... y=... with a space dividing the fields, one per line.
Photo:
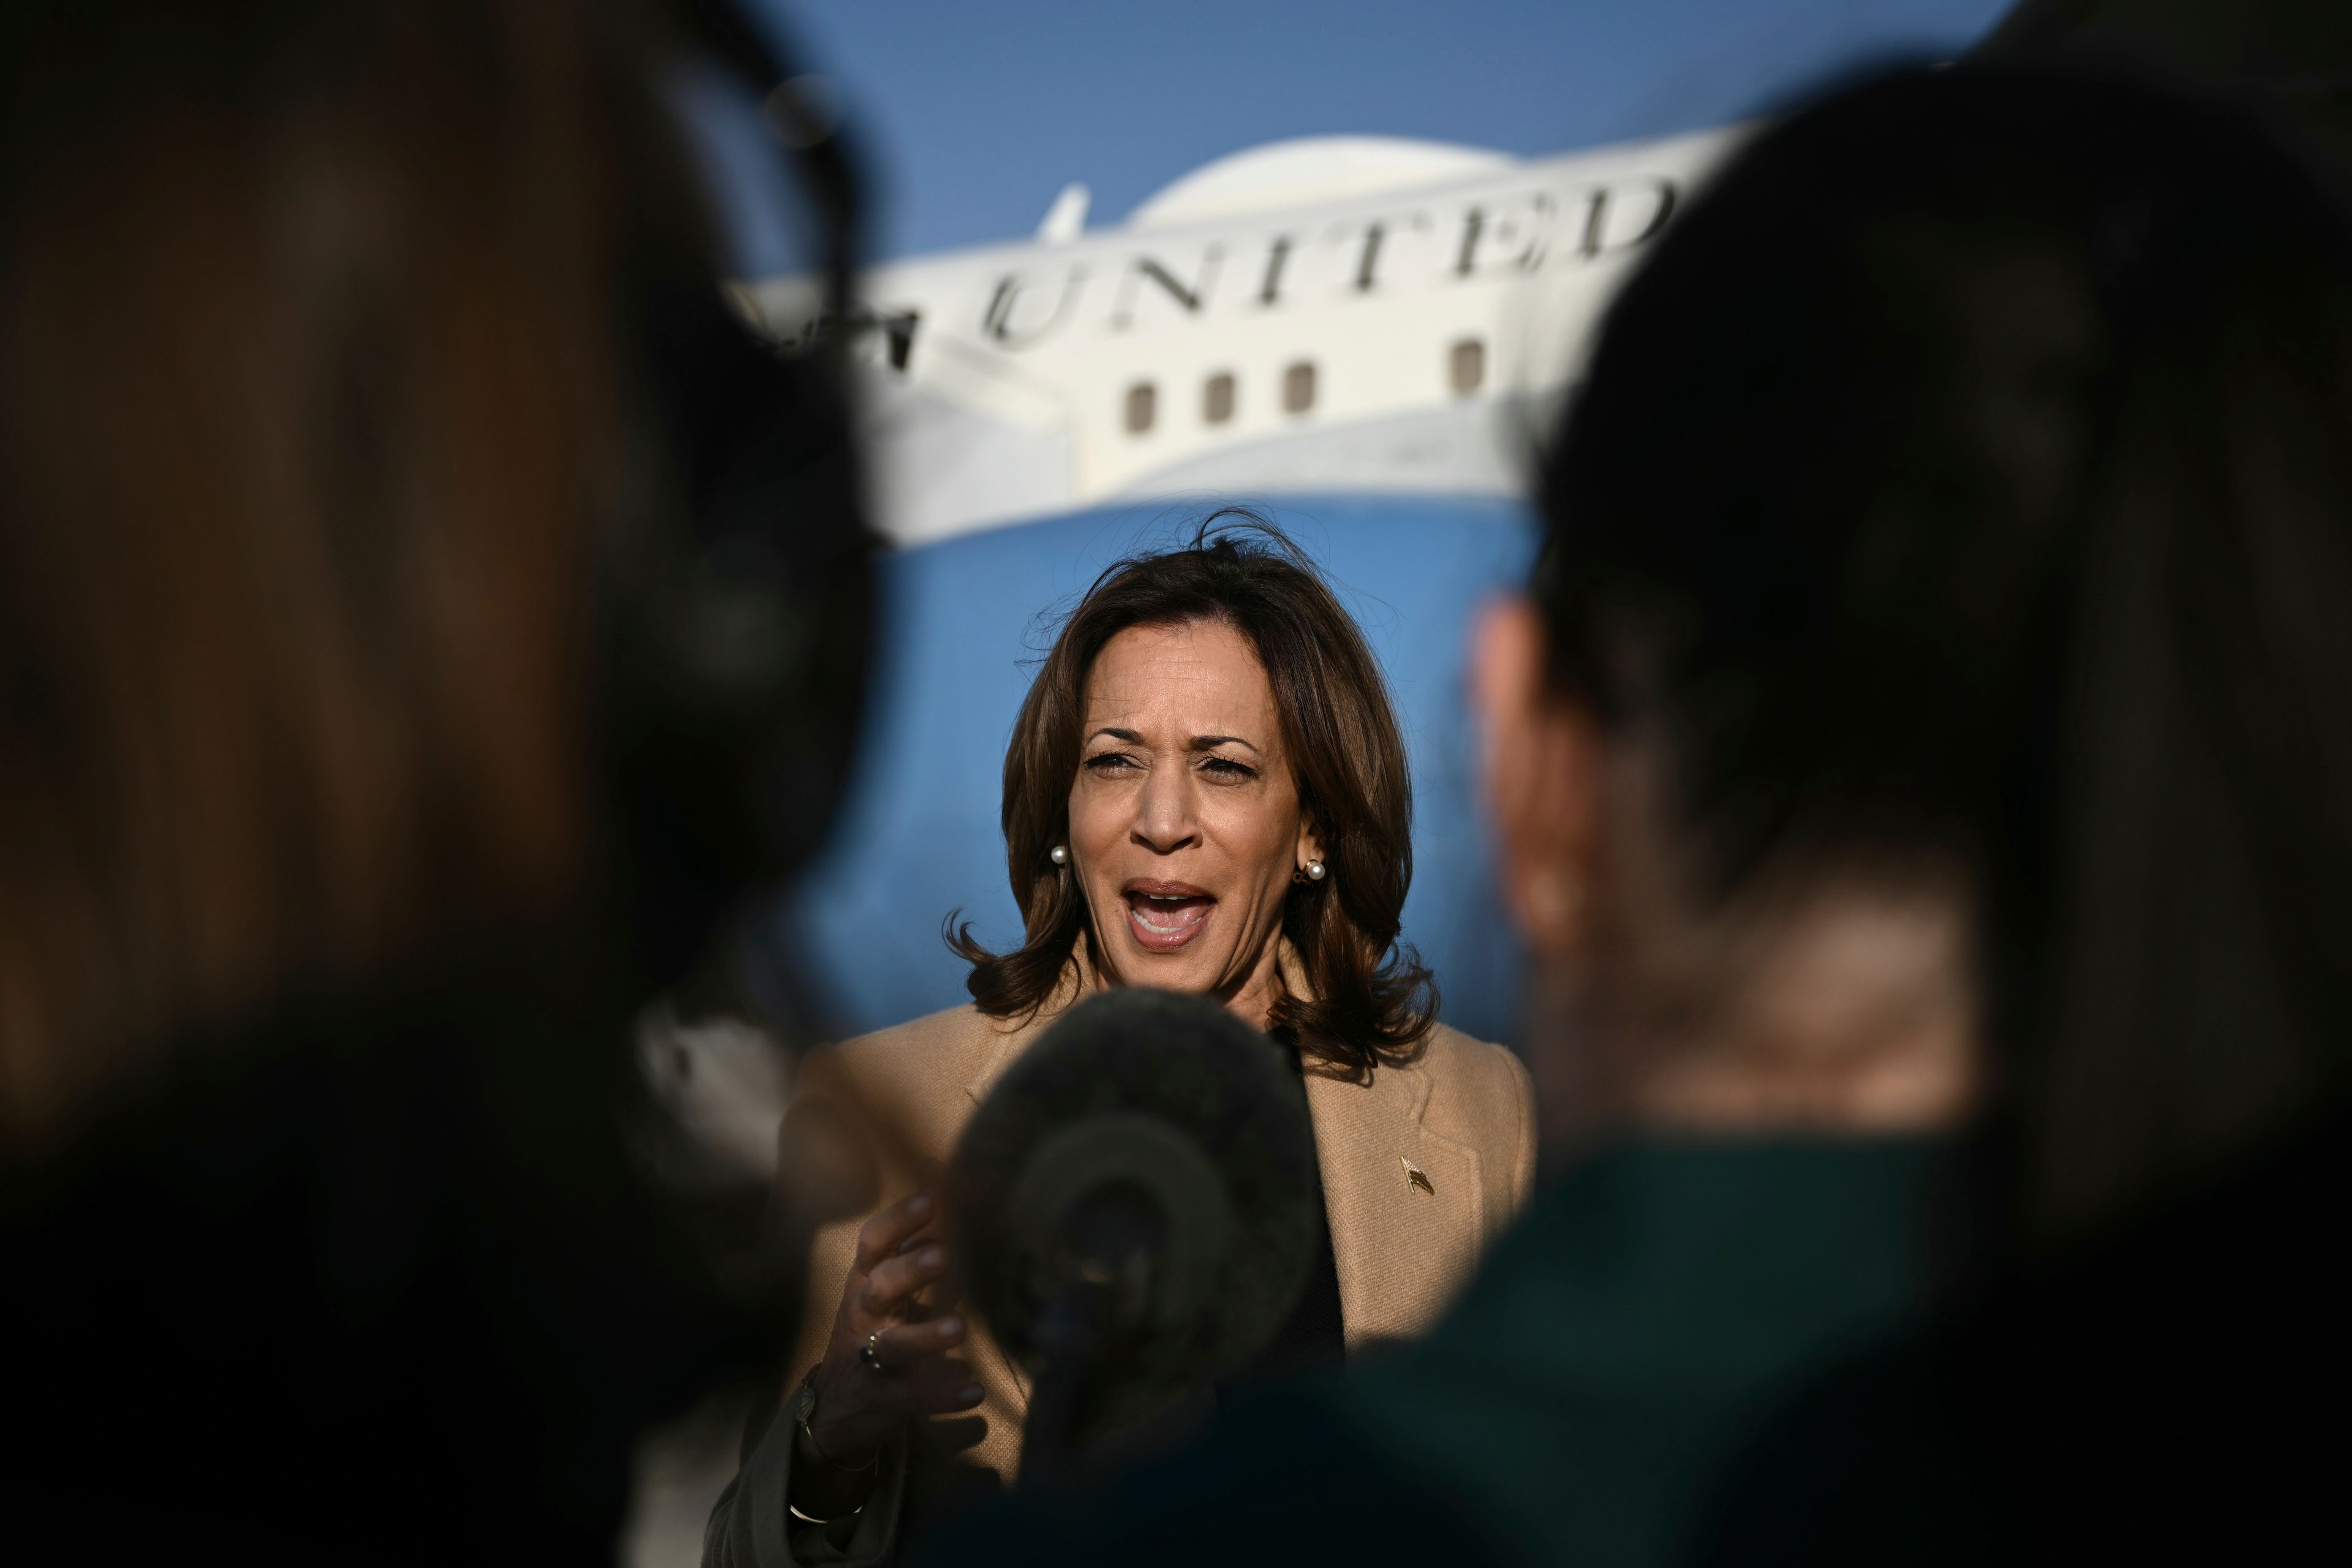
x=1482 y=1083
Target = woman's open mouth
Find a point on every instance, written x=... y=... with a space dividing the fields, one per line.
x=1164 y=916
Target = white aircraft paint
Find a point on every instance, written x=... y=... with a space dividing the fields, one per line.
x=1332 y=314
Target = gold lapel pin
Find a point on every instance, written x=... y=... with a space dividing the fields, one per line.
x=1415 y=1177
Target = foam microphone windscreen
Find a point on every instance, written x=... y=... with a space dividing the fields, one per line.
x=1185 y=1131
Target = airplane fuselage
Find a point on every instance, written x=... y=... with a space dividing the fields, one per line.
x=1239 y=315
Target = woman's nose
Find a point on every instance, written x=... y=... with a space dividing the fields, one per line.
x=1163 y=818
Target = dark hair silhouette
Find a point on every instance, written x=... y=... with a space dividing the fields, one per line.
x=1969 y=474
x=292 y=514
x=348 y=353
x=1370 y=1001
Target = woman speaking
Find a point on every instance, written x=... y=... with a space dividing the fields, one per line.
x=1205 y=791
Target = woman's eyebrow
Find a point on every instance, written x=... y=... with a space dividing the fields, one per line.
x=1198 y=743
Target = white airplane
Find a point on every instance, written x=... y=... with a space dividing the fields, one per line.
x=1350 y=314
x=1363 y=338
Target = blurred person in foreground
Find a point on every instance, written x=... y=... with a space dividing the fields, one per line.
x=369 y=429
x=1205 y=791
x=1924 y=764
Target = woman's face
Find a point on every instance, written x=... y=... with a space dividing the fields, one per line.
x=1185 y=822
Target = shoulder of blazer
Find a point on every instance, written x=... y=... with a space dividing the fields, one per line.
x=918 y=1072
x=938 y=1042
x=1479 y=1093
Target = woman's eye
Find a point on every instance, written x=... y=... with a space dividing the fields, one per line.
x=1225 y=767
x=1110 y=761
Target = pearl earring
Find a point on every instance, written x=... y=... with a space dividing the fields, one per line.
x=1059 y=855
x=1310 y=872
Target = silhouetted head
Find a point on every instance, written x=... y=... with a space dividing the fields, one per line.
x=397 y=535
x=1943 y=636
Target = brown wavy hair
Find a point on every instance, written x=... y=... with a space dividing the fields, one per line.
x=1368 y=1000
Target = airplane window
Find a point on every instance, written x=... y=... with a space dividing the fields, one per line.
x=1142 y=400
x=1217 y=398
x=1465 y=367
x=1298 y=387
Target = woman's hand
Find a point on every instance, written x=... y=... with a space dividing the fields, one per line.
x=888 y=1297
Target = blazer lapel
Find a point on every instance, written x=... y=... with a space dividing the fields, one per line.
x=1404 y=1204
x=1005 y=1042
x=999 y=1051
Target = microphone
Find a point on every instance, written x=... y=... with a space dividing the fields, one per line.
x=1135 y=1214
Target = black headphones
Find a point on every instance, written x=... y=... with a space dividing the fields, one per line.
x=736 y=600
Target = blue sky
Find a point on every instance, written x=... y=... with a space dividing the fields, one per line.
x=975 y=112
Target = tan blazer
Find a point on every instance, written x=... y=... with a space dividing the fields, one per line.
x=1461 y=1114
